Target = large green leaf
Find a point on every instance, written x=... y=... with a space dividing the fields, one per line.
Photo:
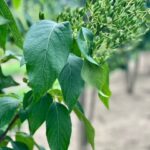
x=85 y=43
x=37 y=113
x=6 y=13
x=98 y=76
x=46 y=50
x=6 y=81
x=70 y=80
x=88 y=127
x=26 y=139
x=8 y=108
x=58 y=127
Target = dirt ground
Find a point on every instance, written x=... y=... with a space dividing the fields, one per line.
x=126 y=126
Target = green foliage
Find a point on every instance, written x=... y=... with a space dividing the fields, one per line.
x=114 y=23
x=19 y=146
x=25 y=139
x=58 y=127
x=8 y=108
x=98 y=76
x=85 y=42
x=37 y=112
x=88 y=127
x=6 y=13
x=72 y=53
x=71 y=82
x=46 y=56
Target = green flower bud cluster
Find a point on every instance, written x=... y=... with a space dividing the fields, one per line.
x=113 y=22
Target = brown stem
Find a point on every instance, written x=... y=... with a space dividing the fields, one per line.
x=3 y=136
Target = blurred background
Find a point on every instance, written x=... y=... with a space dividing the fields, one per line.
x=126 y=126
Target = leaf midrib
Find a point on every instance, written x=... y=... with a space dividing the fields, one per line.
x=44 y=61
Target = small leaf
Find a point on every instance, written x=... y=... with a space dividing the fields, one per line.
x=85 y=43
x=26 y=139
x=4 y=10
x=88 y=127
x=37 y=113
x=8 y=108
x=98 y=76
x=28 y=98
x=75 y=49
x=46 y=55
x=70 y=80
x=58 y=127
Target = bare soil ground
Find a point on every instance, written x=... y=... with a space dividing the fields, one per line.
x=126 y=126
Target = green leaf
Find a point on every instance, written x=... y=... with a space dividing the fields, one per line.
x=85 y=43
x=70 y=81
x=46 y=55
x=27 y=100
x=8 y=108
x=75 y=49
x=6 y=13
x=26 y=139
x=3 y=36
x=88 y=127
x=37 y=113
x=6 y=81
x=58 y=127
x=16 y=3
x=19 y=146
x=98 y=77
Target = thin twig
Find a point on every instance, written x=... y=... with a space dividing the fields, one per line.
x=2 y=136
